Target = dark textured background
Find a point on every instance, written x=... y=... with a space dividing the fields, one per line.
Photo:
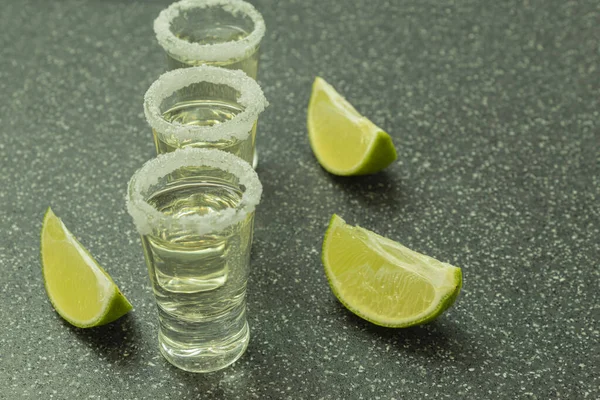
x=494 y=109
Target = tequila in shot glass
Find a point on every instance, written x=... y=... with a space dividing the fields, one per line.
x=196 y=229
x=225 y=33
x=205 y=107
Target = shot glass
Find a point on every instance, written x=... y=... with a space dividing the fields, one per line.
x=205 y=107
x=225 y=33
x=196 y=230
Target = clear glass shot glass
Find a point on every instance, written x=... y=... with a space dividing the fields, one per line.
x=194 y=210
x=225 y=33
x=205 y=107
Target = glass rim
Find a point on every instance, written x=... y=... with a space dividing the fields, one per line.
x=239 y=127
x=208 y=52
x=146 y=217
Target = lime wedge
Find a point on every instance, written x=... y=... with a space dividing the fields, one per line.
x=78 y=288
x=345 y=142
x=384 y=282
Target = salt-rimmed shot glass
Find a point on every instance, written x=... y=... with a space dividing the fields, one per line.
x=224 y=33
x=205 y=107
x=196 y=232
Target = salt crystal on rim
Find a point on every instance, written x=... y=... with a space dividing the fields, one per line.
x=208 y=52
x=251 y=98
x=146 y=217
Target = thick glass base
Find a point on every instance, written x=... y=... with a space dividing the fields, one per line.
x=205 y=359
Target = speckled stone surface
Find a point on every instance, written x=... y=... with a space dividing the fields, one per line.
x=494 y=109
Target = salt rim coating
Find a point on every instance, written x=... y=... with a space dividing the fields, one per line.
x=146 y=217
x=251 y=98
x=208 y=52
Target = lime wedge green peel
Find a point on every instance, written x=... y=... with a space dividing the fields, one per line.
x=78 y=288
x=384 y=282
x=345 y=142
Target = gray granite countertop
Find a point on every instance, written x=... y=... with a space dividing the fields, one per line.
x=494 y=109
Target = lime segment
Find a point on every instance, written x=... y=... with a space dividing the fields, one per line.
x=384 y=282
x=78 y=288
x=345 y=142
